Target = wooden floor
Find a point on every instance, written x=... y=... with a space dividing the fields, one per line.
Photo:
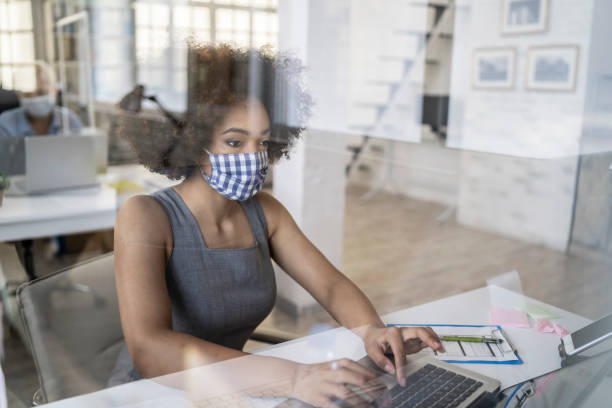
x=400 y=255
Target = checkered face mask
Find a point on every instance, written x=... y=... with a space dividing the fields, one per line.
x=237 y=176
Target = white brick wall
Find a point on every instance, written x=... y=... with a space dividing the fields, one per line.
x=529 y=199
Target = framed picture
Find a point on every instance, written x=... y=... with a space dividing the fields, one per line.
x=552 y=68
x=524 y=16
x=494 y=68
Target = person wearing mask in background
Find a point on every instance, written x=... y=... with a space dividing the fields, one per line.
x=37 y=114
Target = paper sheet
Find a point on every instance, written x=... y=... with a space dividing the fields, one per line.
x=474 y=352
x=545 y=326
x=537 y=311
x=509 y=317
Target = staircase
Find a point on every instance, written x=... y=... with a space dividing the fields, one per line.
x=391 y=49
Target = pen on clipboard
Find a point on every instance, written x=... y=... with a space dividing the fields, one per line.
x=475 y=339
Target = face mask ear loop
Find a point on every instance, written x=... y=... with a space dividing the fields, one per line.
x=202 y=172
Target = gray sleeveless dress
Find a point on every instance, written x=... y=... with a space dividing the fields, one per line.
x=218 y=295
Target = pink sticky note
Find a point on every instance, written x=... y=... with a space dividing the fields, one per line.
x=544 y=326
x=507 y=317
x=560 y=330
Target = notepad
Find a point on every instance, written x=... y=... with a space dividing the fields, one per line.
x=508 y=317
x=545 y=326
x=469 y=352
x=538 y=311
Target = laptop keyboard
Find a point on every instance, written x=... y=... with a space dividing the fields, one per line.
x=430 y=387
x=433 y=387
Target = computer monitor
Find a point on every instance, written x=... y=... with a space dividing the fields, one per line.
x=435 y=113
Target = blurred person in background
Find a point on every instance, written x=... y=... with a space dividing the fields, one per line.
x=38 y=114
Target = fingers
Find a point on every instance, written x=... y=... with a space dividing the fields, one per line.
x=425 y=334
x=346 y=376
x=376 y=354
x=349 y=372
x=375 y=389
x=352 y=365
x=395 y=340
x=342 y=396
x=429 y=337
x=414 y=346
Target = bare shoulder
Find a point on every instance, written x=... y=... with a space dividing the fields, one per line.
x=274 y=210
x=142 y=216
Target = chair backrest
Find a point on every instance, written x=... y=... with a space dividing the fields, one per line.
x=11 y=275
x=8 y=100
x=71 y=319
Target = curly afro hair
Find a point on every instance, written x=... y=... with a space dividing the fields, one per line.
x=221 y=76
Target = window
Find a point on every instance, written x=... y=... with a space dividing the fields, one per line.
x=16 y=43
x=113 y=67
x=162 y=30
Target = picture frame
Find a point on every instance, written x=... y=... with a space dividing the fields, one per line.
x=524 y=16
x=552 y=68
x=494 y=68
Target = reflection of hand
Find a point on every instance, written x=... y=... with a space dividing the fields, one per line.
x=379 y=341
x=324 y=384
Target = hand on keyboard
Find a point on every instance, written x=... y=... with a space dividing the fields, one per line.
x=399 y=341
x=325 y=384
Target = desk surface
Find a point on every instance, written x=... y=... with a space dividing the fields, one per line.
x=538 y=350
x=73 y=211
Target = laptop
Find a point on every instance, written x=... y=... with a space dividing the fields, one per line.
x=429 y=383
x=56 y=163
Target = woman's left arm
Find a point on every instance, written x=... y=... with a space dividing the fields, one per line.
x=297 y=256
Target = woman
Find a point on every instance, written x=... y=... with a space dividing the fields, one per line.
x=193 y=262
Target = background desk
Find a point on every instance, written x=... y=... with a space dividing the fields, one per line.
x=538 y=350
x=72 y=211
x=65 y=212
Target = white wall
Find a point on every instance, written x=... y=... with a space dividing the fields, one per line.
x=592 y=227
x=517 y=122
x=519 y=168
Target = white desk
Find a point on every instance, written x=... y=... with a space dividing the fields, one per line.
x=538 y=350
x=23 y=218
x=66 y=212
x=72 y=211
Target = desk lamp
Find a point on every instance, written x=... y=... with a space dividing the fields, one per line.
x=132 y=102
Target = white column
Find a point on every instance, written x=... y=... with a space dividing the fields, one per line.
x=311 y=184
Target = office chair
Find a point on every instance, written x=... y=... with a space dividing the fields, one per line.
x=12 y=275
x=8 y=100
x=75 y=338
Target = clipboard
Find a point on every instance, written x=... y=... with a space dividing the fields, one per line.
x=516 y=361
